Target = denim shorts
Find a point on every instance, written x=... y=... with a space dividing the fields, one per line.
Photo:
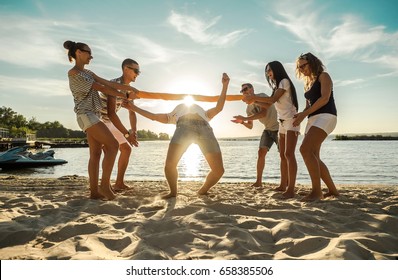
x=87 y=120
x=268 y=138
x=190 y=131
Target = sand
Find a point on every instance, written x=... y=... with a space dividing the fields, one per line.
x=44 y=218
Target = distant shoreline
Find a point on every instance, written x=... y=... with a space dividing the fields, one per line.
x=365 y=137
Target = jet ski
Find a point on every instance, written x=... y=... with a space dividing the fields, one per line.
x=20 y=157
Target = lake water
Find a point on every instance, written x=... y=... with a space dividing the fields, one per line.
x=359 y=162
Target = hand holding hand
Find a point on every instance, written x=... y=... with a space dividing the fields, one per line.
x=298 y=118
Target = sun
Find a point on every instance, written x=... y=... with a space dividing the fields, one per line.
x=189 y=100
x=190 y=85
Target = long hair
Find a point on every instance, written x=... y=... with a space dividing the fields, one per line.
x=280 y=74
x=316 y=66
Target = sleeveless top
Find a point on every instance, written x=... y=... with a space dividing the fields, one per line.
x=314 y=93
x=86 y=98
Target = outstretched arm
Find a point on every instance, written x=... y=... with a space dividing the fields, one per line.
x=178 y=96
x=221 y=100
x=155 y=117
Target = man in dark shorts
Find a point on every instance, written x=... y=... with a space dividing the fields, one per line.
x=268 y=117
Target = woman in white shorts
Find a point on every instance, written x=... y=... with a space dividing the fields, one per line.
x=84 y=85
x=284 y=98
x=322 y=119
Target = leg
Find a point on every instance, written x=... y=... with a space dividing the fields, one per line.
x=262 y=152
x=174 y=155
x=125 y=152
x=290 y=147
x=216 y=171
x=102 y=135
x=327 y=179
x=283 y=164
x=310 y=151
x=95 y=149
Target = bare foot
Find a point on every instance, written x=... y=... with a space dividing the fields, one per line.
x=257 y=185
x=169 y=195
x=331 y=194
x=313 y=196
x=120 y=188
x=107 y=193
x=96 y=195
x=288 y=194
x=203 y=190
x=280 y=189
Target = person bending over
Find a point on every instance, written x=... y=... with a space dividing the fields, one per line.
x=192 y=126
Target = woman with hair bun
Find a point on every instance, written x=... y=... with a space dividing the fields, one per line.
x=84 y=85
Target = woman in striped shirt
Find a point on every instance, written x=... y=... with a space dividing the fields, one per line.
x=84 y=86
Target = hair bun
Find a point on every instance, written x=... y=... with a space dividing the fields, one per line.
x=69 y=44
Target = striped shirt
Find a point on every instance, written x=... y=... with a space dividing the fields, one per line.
x=104 y=99
x=85 y=97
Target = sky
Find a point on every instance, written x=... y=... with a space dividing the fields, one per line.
x=185 y=46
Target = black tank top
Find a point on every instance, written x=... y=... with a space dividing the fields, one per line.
x=314 y=93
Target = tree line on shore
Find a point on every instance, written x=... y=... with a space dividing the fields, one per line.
x=19 y=126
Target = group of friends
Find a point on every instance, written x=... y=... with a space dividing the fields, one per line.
x=97 y=101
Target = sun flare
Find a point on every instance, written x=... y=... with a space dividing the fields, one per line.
x=188 y=100
x=191 y=163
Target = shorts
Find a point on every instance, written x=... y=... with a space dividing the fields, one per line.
x=190 y=131
x=87 y=120
x=326 y=122
x=285 y=125
x=116 y=132
x=268 y=138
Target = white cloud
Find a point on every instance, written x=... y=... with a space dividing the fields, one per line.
x=351 y=37
x=200 y=30
x=343 y=83
x=31 y=42
x=35 y=86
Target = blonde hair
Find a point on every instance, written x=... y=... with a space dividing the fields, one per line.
x=316 y=66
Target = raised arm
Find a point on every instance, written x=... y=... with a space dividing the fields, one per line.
x=178 y=96
x=221 y=99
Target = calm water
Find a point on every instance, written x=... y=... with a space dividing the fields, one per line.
x=361 y=162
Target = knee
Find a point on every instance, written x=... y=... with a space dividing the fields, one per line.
x=169 y=166
x=95 y=154
x=219 y=171
x=112 y=147
x=125 y=149
x=305 y=151
x=289 y=155
x=262 y=152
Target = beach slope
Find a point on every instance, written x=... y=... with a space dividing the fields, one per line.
x=43 y=218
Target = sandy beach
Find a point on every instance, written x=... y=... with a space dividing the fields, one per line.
x=54 y=219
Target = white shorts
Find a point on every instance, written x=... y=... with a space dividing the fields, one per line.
x=285 y=125
x=116 y=132
x=326 y=122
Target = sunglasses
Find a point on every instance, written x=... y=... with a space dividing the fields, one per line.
x=301 y=67
x=137 y=71
x=244 y=89
x=89 y=52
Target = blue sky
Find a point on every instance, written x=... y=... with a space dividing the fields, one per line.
x=185 y=46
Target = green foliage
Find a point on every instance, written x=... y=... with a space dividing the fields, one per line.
x=18 y=126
